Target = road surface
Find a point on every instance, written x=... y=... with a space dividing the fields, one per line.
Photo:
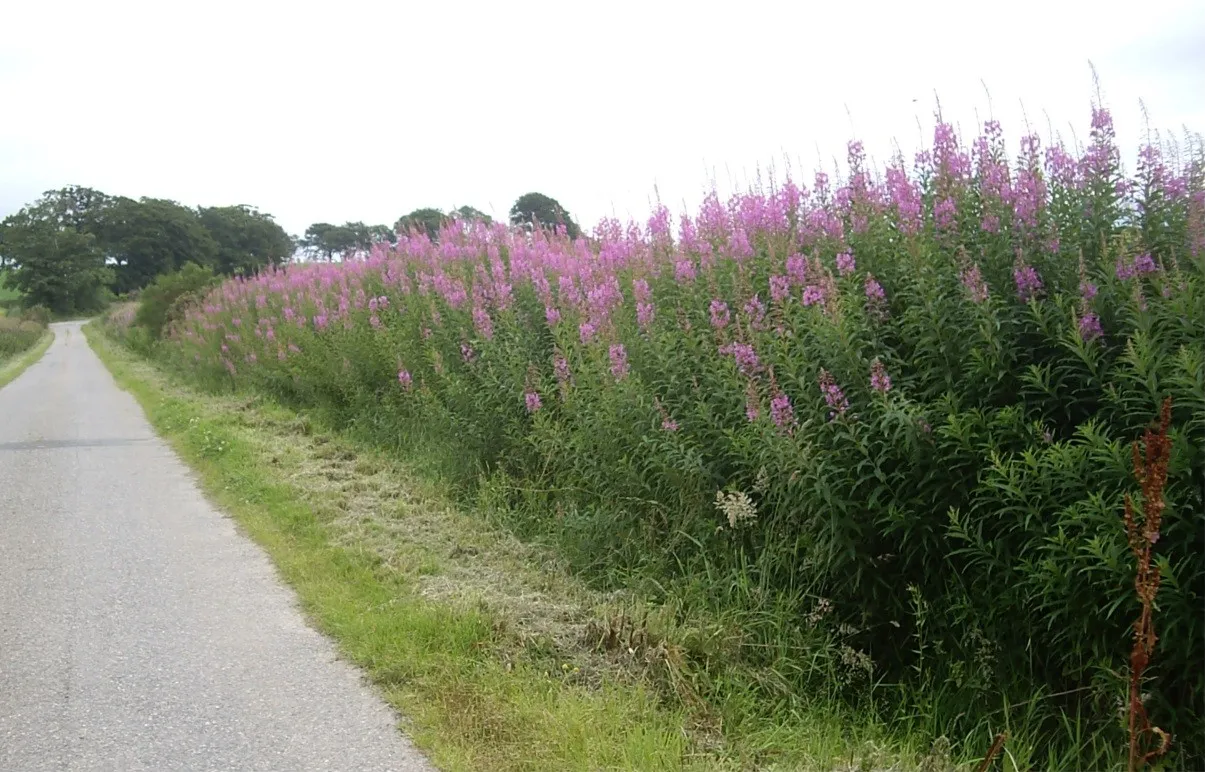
x=138 y=629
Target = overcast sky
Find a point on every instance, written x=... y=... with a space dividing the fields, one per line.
x=348 y=110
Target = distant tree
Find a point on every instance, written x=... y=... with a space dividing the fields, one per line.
x=76 y=207
x=151 y=236
x=378 y=234
x=427 y=221
x=469 y=213
x=325 y=240
x=537 y=209
x=50 y=261
x=364 y=237
x=247 y=240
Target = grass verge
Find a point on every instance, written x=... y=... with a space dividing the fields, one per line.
x=10 y=369
x=485 y=644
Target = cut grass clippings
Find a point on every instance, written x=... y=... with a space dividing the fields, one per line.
x=434 y=659
x=11 y=368
x=481 y=642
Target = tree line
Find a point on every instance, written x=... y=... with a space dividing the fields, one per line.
x=75 y=248
x=324 y=240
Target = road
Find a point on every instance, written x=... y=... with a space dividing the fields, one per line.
x=139 y=630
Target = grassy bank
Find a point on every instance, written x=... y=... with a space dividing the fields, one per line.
x=20 y=349
x=497 y=657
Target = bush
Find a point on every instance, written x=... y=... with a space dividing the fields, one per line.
x=896 y=409
x=165 y=300
x=37 y=314
x=17 y=336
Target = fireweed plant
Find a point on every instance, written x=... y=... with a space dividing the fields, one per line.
x=890 y=412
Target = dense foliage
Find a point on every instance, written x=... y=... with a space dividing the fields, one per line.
x=893 y=412
x=74 y=247
x=17 y=335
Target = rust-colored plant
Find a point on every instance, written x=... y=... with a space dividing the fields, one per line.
x=1150 y=469
x=992 y=752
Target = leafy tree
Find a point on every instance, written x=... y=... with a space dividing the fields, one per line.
x=51 y=262
x=326 y=240
x=536 y=209
x=426 y=220
x=471 y=214
x=365 y=236
x=247 y=240
x=151 y=236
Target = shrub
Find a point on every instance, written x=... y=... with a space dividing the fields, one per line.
x=903 y=401
x=18 y=335
x=165 y=300
x=37 y=314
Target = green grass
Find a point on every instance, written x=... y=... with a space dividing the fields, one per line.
x=12 y=367
x=484 y=643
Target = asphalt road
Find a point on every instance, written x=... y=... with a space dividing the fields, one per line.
x=138 y=629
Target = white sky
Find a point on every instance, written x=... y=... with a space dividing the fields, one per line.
x=349 y=110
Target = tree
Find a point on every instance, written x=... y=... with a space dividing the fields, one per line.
x=151 y=236
x=364 y=237
x=471 y=214
x=247 y=240
x=52 y=263
x=325 y=240
x=538 y=210
x=426 y=220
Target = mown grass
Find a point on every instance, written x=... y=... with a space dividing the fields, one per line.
x=486 y=645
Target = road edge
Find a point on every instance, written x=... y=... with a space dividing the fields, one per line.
x=12 y=370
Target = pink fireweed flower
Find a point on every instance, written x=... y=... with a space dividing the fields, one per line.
x=812 y=295
x=641 y=291
x=1029 y=284
x=744 y=356
x=404 y=378
x=975 y=285
x=1144 y=264
x=586 y=331
x=943 y=214
x=644 y=315
x=619 y=361
x=780 y=288
x=560 y=367
x=684 y=270
x=797 y=270
x=755 y=311
x=719 y=314
x=1089 y=327
x=845 y=264
x=781 y=412
x=467 y=353
x=552 y=315
x=874 y=290
x=1124 y=270
x=833 y=396
x=990 y=224
x=532 y=399
x=483 y=323
x=669 y=425
x=1087 y=289
x=880 y=381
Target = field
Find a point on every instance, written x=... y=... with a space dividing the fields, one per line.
x=864 y=442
